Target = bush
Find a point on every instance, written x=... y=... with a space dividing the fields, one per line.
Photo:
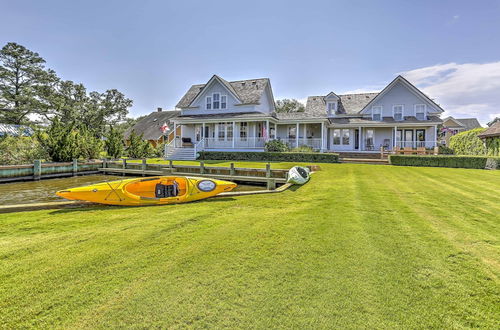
x=276 y=146
x=479 y=162
x=60 y=142
x=114 y=143
x=467 y=143
x=89 y=145
x=444 y=150
x=20 y=150
x=138 y=148
x=493 y=146
x=303 y=149
x=271 y=156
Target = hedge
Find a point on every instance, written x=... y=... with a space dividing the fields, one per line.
x=479 y=162
x=313 y=157
x=468 y=143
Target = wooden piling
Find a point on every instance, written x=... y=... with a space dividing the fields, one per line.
x=143 y=167
x=75 y=167
x=232 y=171
x=202 y=168
x=37 y=169
x=268 y=170
x=124 y=165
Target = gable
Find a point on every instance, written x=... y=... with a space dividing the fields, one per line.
x=209 y=90
x=451 y=122
x=401 y=92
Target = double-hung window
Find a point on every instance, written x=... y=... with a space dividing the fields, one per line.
x=229 y=131
x=420 y=110
x=377 y=113
x=336 y=136
x=222 y=131
x=223 y=101
x=345 y=136
x=216 y=101
x=209 y=102
x=292 y=132
x=398 y=112
x=331 y=107
x=243 y=131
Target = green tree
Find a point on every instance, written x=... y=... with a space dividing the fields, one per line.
x=22 y=77
x=114 y=142
x=60 y=141
x=89 y=145
x=16 y=150
x=289 y=105
x=467 y=143
x=138 y=148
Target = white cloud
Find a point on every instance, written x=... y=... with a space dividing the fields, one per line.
x=463 y=90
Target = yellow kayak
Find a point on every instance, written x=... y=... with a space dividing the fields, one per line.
x=149 y=191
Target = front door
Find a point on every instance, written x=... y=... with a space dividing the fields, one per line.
x=206 y=134
x=420 y=134
x=408 y=138
x=356 y=139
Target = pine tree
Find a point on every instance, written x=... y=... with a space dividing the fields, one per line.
x=114 y=143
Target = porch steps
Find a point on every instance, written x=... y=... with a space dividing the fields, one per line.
x=365 y=161
x=360 y=155
x=181 y=154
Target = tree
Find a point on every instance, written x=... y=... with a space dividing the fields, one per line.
x=22 y=76
x=89 y=145
x=289 y=105
x=114 y=143
x=138 y=148
x=60 y=141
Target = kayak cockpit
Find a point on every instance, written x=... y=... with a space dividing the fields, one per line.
x=157 y=188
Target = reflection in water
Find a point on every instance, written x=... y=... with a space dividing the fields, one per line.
x=44 y=190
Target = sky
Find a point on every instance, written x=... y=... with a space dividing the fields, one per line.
x=153 y=51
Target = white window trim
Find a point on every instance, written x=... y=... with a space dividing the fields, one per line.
x=330 y=111
x=377 y=107
x=221 y=96
x=207 y=103
x=213 y=94
x=340 y=137
x=402 y=111
x=415 y=109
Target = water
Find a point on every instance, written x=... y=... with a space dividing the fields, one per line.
x=44 y=190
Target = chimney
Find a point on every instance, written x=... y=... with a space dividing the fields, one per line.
x=160 y=109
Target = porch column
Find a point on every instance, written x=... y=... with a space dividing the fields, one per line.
x=254 y=134
x=394 y=143
x=268 y=133
x=360 y=147
x=297 y=135
x=322 y=136
x=234 y=132
x=203 y=130
x=435 y=135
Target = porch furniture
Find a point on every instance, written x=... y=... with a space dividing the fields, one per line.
x=408 y=151
x=387 y=143
x=421 y=151
x=187 y=143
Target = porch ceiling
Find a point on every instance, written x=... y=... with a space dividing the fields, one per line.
x=386 y=122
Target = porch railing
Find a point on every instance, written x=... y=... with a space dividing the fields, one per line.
x=314 y=143
x=416 y=144
x=239 y=143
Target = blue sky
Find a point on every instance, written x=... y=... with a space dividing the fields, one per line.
x=154 y=50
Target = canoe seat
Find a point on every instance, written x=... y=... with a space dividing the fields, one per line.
x=166 y=190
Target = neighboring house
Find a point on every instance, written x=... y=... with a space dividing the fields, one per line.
x=240 y=116
x=15 y=130
x=151 y=127
x=452 y=126
x=492 y=132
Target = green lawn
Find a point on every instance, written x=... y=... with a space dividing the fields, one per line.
x=360 y=246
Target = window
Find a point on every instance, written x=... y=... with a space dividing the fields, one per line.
x=209 y=102
x=216 y=101
x=336 y=136
x=292 y=132
x=369 y=139
x=398 y=112
x=331 y=107
x=222 y=131
x=377 y=113
x=345 y=136
x=229 y=131
x=420 y=111
x=243 y=131
x=223 y=102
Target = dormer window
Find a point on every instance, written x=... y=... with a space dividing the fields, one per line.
x=398 y=112
x=331 y=107
x=377 y=113
x=420 y=111
x=216 y=102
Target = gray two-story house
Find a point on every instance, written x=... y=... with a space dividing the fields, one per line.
x=240 y=116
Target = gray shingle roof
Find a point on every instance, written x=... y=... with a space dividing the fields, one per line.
x=493 y=131
x=469 y=123
x=150 y=125
x=248 y=91
x=15 y=130
x=349 y=104
x=385 y=120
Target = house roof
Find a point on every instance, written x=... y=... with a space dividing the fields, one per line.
x=15 y=130
x=492 y=131
x=150 y=125
x=231 y=115
x=247 y=91
x=385 y=120
x=469 y=123
x=349 y=104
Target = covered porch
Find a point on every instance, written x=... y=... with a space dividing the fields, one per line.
x=374 y=138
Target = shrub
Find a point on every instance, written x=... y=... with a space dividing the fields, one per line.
x=493 y=146
x=276 y=146
x=60 y=142
x=114 y=143
x=303 y=149
x=89 y=145
x=479 y=162
x=467 y=143
x=138 y=148
x=444 y=150
x=271 y=156
x=20 y=150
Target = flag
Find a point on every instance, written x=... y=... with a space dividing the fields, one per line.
x=164 y=128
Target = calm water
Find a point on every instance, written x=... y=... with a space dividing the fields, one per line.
x=44 y=190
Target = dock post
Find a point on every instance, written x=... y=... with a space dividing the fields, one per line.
x=232 y=172
x=171 y=166
x=202 y=168
x=143 y=167
x=104 y=163
x=271 y=184
x=268 y=170
x=75 y=167
x=37 y=169
x=124 y=166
